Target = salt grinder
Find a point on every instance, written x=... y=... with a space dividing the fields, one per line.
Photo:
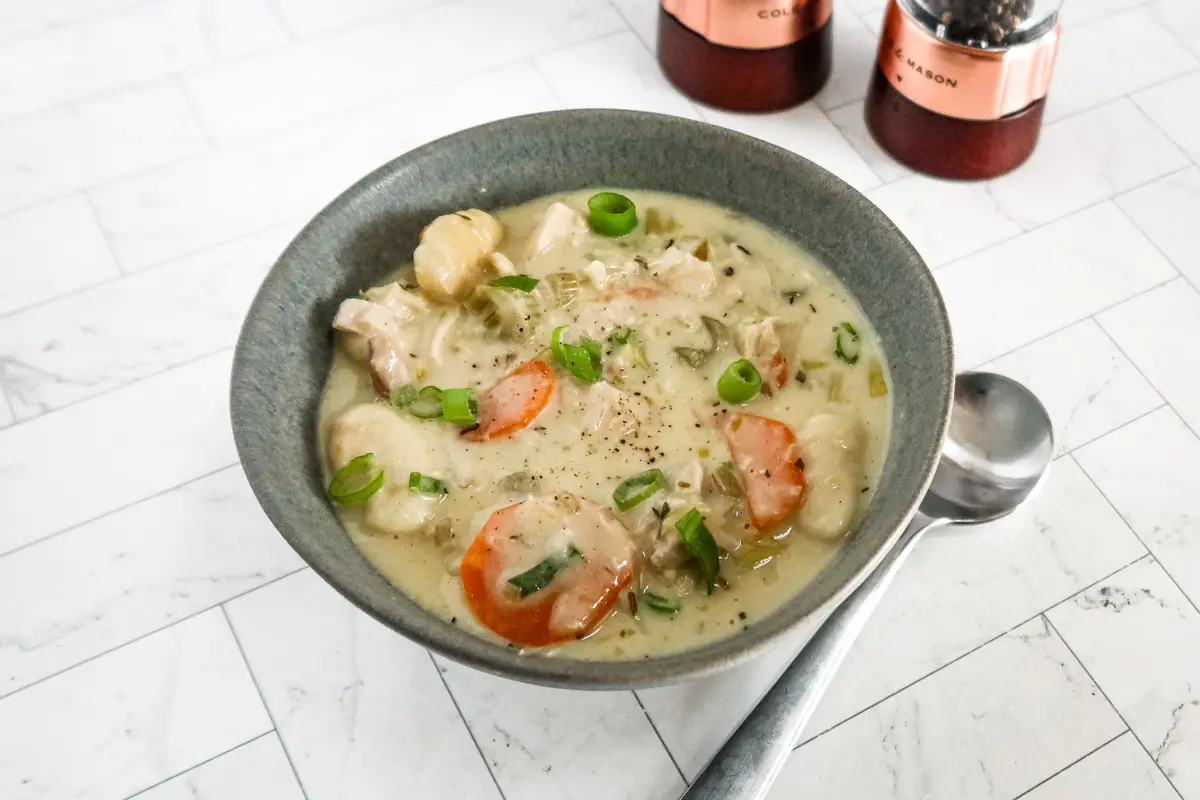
x=960 y=86
x=746 y=55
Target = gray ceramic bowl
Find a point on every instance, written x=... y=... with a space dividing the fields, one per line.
x=286 y=344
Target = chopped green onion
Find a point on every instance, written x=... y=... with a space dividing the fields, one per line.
x=811 y=365
x=428 y=404
x=459 y=406
x=835 y=387
x=621 y=337
x=611 y=214
x=426 y=484
x=661 y=603
x=523 y=282
x=632 y=491
x=847 y=345
x=739 y=383
x=402 y=396
x=876 y=382
x=700 y=543
x=542 y=574
x=581 y=361
x=356 y=481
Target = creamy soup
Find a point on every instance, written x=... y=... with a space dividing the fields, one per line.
x=603 y=424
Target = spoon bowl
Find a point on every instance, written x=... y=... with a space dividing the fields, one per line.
x=998 y=447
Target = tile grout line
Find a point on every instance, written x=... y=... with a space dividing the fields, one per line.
x=1122 y=426
x=195 y=109
x=1091 y=752
x=1143 y=375
x=108 y=245
x=1104 y=694
x=208 y=760
x=463 y=717
x=1133 y=530
x=661 y=740
x=145 y=635
x=262 y=699
x=1133 y=99
x=167 y=262
x=1147 y=236
x=117 y=387
x=118 y=509
x=1112 y=198
x=961 y=656
x=1072 y=323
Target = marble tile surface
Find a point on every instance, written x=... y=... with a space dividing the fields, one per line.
x=1138 y=636
x=99 y=339
x=306 y=18
x=632 y=78
x=359 y=710
x=1086 y=383
x=543 y=742
x=804 y=130
x=1138 y=327
x=187 y=207
x=122 y=576
x=130 y=47
x=1120 y=770
x=1080 y=161
x=53 y=248
x=159 y=638
x=308 y=80
x=1166 y=211
x=68 y=148
x=1087 y=75
x=1079 y=265
x=131 y=719
x=1180 y=121
x=255 y=771
x=111 y=438
x=988 y=726
x=1138 y=469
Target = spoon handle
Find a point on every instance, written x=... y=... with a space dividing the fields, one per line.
x=750 y=760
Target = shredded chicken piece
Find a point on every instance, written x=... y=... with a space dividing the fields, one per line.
x=375 y=334
x=762 y=344
x=682 y=272
x=561 y=224
x=609 y=409
x=502 y=264
x=438 y=345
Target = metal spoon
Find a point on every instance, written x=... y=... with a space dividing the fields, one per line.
x=998 y=447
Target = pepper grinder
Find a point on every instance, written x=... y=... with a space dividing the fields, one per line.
x=746 y=55
x=960 y=86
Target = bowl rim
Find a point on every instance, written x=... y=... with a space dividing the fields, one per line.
x=460 y=645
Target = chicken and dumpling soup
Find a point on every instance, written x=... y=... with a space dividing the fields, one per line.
x=603 y=424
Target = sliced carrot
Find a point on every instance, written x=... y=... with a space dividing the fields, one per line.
x=529 y=621
x=767 y=458
x=514 y=402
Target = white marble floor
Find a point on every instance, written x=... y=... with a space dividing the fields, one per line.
x=159 y=640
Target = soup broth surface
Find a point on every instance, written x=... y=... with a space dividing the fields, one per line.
x=778 y=480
